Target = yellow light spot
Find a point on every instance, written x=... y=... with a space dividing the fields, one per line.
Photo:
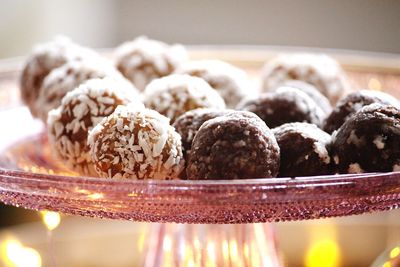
x=225 y=250
x=16 y=255
x=233 y=250
x=196 y=243
x=211 y=257
x=188 y=256
x=395 y=252
x=323 y=253
x=96 y=196
x=374 y=84
x=51 y=219
x=387 y=264
x=246 y=251
x=141 y=240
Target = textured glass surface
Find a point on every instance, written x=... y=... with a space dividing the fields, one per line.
x=30 y=177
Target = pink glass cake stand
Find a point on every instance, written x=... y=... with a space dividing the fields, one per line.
x=199 y=223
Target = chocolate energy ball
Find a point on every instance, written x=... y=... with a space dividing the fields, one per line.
x=175 y=94
x=304 y=150
x=319 y=70
x=136 y=143
x=189 y=123
x=144 y=59
x=369 y=141
x=66 y=78
x=235 y=146
x=81 y=110
x=353 y=102
x=286 y=104
x=44 y=58
x=312 y=92
x=229 y=81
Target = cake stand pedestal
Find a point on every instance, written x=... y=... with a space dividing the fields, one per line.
x=211 y=245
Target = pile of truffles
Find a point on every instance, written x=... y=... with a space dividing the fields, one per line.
x=151 y=113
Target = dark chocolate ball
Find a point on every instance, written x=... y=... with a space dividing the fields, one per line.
x=369 y=141
x=304 y=150
x=353 y=102
x=189 y=123
x=321 y=100
x=285 y=105
x=235 y=146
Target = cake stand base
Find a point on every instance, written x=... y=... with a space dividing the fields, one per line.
x=211 y=245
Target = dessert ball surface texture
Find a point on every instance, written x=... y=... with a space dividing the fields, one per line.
x=189 y=123
x=44 y=58
x=64 y=79
x=175 y=94
x=353 y=102
x=312 y=92
x=136 y=143
x=369 y=141
x=319 y=70
x=304 y=150
x=286 y=104
x=229 y=81
x=81 y=110
x=144 y=59
x=235 y=146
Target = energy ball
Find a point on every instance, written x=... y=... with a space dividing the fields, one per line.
x=304 y=150
x=285 y=105
x=353 y=102
x=189 y=123
x=229 y=81
x=319 y=70
x=44 y=58
x=66 y=78
x=235 y=146
x=144 y=59
x=136 y=143
x=369 y=141
x=81 y=110
x=312 y=92
x=175 y=94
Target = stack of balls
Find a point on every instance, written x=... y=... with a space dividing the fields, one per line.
x=150 y=113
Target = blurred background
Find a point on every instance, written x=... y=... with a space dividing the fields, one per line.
x=355 y=24
x=351 y=25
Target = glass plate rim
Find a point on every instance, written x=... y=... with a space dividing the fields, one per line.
x=324 y=180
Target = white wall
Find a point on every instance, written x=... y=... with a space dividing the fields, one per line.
x=354 y=24
x=24 y=23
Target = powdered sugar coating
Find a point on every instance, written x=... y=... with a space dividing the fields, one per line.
x=189 y=123
x=312 y=92
x=69 y=76
x=284 y=105
x=144 y=59
x=44 y=58
x=175 y=94
x=236 y=146
x=353 y=102
x=229 y=81
x=136 y=143
x=304 y=150
x=81 y=110
x=319 y=70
